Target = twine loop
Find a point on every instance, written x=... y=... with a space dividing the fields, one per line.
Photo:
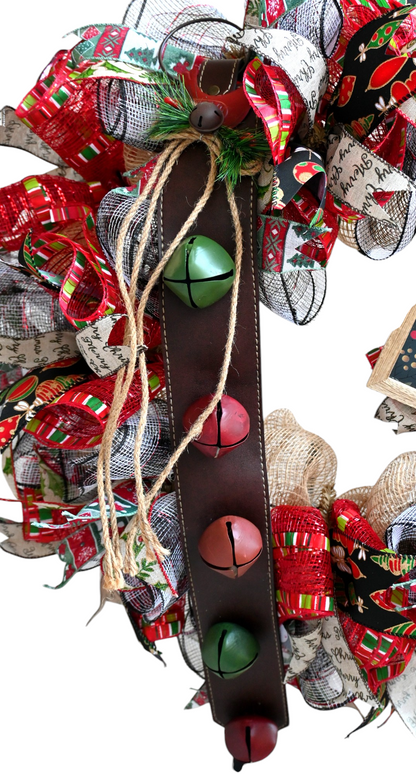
x=114 y=565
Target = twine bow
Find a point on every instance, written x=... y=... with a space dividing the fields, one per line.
x=114 y=565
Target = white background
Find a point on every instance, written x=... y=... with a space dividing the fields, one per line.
x=89 y=699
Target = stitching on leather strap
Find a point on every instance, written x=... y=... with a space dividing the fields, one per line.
x=177 y=478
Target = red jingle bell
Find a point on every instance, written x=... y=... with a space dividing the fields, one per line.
x=226 y=428
x=231 y=545
x=249 y=739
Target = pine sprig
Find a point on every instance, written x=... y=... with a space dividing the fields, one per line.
x=241 y=148
x=174 y=106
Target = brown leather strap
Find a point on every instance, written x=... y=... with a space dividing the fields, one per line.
x=220 y=73
x=207 y=488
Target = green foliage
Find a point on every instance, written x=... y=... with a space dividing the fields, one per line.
x=8 y=467
x=240 y=147
x=174 y=105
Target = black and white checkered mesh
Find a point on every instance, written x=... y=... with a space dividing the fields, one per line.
x=158 y=18
x=319 y=21
x=409 y=164
x=127 y=110
x=111 y=213
x=9 y=374
x=153 y=601
x=26 y=308
x=25 y=463
x=78 y=467
x=380 y=239
x=401 y=533
x=321 y=684
x=189 y=642
x=296 y=296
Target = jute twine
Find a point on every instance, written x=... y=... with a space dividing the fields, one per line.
x=301 y=467
x=114 y=565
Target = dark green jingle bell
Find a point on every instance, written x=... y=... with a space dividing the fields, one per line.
x=200 y=272
x=229 y=650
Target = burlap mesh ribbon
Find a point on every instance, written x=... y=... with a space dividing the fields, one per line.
x=394 y=491
x=301 y=467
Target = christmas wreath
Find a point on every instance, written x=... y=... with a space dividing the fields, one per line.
x=201 y=167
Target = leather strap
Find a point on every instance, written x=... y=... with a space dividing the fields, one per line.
x=222 y=73
x=207 y=488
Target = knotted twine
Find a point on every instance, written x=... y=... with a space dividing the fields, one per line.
x=113 y=565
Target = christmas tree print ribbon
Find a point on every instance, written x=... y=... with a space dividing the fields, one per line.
x=122 y=44
x=289 y=246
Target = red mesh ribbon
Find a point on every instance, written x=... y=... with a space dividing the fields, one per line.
x=382 y=656
x=77 y=420
x=348 y=521
x=31 y=203
x=61 y=110
x=168 y=625
x=302 y=563
x=88 y=287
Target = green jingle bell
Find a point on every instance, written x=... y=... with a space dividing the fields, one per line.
x=229 y=650
x=200 y=272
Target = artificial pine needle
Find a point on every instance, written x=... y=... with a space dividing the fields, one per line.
x=240 y=147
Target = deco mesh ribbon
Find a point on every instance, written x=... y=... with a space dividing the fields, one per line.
x=332 y=86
